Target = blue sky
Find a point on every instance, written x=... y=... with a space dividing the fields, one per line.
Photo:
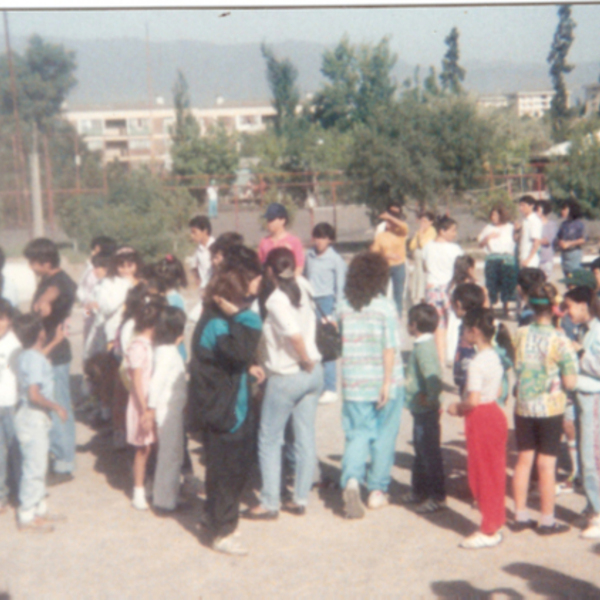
x=512 y=33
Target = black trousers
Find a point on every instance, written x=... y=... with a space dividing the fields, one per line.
x=229 y=460
x=428 y=468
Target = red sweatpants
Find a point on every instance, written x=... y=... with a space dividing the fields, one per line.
x=487 y=431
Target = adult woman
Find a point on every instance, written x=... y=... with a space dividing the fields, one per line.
x=546 y=367
x=424 y=235
x=570 y=237
x=500 y=268
x=295 y=381
x=391 y=243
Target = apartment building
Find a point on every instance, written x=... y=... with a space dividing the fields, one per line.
x=526 y=104
x=142 y=135
x=592 y=99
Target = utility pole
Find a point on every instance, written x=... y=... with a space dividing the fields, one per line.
x=150 y=99
x=36 y=186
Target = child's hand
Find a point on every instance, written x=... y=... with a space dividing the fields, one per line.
x=147 y=421
x=61 y=413
x=384 y=396
x=258 y=373
x=227 y=307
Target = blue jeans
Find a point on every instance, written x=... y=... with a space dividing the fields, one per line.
x=428 y=468
x=62 y=435
x=327 y=304
x=32 y=427
x=9 y=451
x=589 y=422
x=371 y=432
x=294 y=395
x=571 y=260
x=398 y=277
x=212 y=209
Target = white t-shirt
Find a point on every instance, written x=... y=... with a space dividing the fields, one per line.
x=202 y=263
x=111 y=294
x=283 y=321
x=439 y=260
x=503 y=244
x=168 y=386
x=484 y=375
x=9 y=350
x=531 y=231
x=9 y=290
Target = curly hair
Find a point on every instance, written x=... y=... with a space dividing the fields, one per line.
x=367 y=277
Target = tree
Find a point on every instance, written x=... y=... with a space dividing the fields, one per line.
x=282 y=76
x=186 y=127
x=452 y=73
x=559 y=67
x=430 y=85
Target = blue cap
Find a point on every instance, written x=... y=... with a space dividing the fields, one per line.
x=276 y=211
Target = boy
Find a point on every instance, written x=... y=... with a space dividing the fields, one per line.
x=465 y=297
x=423 y=389
x=201 y=235
x=325 y=269
x=9 y=452
x=277 y=221
x=527 y=279
x=33 y=422
x=53 y=301
x=529 y=233
x=543 y=209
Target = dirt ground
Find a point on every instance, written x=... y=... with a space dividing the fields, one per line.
x=107 y=550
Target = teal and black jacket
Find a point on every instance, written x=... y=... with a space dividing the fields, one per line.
x=223 y=348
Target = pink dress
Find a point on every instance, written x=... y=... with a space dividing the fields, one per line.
x=138 y=356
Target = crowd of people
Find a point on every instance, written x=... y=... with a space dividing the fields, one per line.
x=250 y=381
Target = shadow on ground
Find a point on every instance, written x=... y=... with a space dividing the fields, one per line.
x=463 y=590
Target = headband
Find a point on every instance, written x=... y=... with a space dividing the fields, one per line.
x=539 y=301
x=286 y=273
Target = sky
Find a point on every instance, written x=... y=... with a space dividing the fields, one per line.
x=518 y=34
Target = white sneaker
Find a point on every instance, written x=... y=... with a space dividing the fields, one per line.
x=480 y=540
x=377 y=499
x=328 y=397
x=230 y=544
x=353 y=506
x=592 y=531
x=140 y=504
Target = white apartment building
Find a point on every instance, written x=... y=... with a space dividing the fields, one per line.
x=592 y=99
x=143 y=135
x=533 y=104
x=492 y=102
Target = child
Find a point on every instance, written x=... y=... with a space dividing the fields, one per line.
x=95 y=337
x=167 y=398
x=486 y=427
x=140 y=420
x=529 y=233
x=549 y=229
x=9 y=451
x=422 y=237
x=439 y=257
x=423 y=389
x=221 y=245
x=527 y=279
x=372 y=382
x=200 y=234
x=465 y=297
x=582 y=306
x=325 y=269
x=8 y=288
x=223 y=348
x=33 y=422
x=277 y=221
x=546 y=366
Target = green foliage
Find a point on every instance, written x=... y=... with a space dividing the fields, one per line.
x=282 y=76
x=186 y=128
x=452 y=73
x=492 y=199
x=559 y=67
x=578 y=174
x=137 y=212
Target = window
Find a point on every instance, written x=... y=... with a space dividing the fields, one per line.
x=90 y=126
x=138 y=126
x=94 y=145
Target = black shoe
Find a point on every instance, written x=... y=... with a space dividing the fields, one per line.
x=552 y=529
x=267 y=515
x=519 y=526
x=294 y=509
x=58 y=478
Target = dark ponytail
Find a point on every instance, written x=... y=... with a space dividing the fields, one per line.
x=148 y=312
x=483 y=319
x=282 y=263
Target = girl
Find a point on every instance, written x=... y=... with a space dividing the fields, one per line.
x=439 y=257
x=582 y=306
x=485 y=425
x=372 y=382
x=223 y=349
x=294 y=385
x=545 y=366
x=497 y=238
x=391 y=243
x=140 y=420
x=8 y=289
x=549 y=230
x=167 y=399
x=570 y=237
x=424 y=235
x=325 y=270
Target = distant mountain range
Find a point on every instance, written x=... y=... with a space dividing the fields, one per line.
x=114 y=72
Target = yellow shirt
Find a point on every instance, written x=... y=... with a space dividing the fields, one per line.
x=421 y=239
x=392 y=246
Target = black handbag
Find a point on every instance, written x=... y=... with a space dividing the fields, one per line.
x=328 y=337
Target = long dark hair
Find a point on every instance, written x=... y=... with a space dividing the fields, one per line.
x=461 y=274
x=282 y=265
x=367 y=277
x=483 y=319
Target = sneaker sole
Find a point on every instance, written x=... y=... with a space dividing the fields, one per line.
x=352 y=504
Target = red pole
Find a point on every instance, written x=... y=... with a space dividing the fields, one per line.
x=77 y=159
x=49 y=192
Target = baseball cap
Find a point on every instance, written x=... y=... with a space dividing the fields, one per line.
x=580 y=277
x=276 y=211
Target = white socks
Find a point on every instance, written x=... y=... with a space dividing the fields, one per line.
x=139 y=498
